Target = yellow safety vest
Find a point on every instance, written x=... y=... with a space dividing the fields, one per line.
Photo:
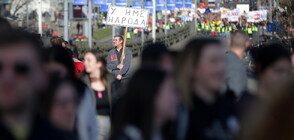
x=136 y=31
x=198 y=26
x=250 y=30
x=224 y=29
x=206 y=27
x=212 y=28
x=129 y=35
x=218 y=29
x=230 y=28
x=168 y=27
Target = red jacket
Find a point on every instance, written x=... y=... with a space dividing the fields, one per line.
x=79 y=66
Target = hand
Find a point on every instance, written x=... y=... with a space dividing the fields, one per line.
x=120 y=66
x=118 y=77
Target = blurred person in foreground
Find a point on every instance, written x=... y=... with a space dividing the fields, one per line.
x=56 y=41
x=205 y=113
x=22 y=78
x=102 y=87
x=157 y=55
x=149 y=103
x=60 y=104
x=273 y=120
x=59 y=64
x=236 y=76
x=59 y=42
x=4 y=25
x=273 y=70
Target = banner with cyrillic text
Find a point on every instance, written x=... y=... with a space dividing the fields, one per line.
x=127 y=17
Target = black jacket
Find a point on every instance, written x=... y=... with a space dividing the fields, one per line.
x=203 y=121
x=41 y=130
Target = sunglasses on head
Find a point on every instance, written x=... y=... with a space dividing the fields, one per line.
x=18 y=68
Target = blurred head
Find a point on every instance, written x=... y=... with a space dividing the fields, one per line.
x=4 y=25
x=118 y=40
x=65 y=44
x=292 y=63
x=239 y=40
x=94 y=61
x=56 y=42
x=157 y=55
x=58 y=62
x=274 y=119
x=60 y=102
x=150 y=99
x=201 y=63
x=272 y=66
x=21 y=69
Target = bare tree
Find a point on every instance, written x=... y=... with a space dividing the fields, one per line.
x=285 y=16
x=16 y=5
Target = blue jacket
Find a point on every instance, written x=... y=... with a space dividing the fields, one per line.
x=112 y=63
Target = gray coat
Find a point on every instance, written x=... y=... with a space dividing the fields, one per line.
x=112 y=63
x=236 y=77
x=86 y=118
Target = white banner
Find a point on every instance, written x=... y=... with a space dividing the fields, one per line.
x=257 y=16
x=127 y=17
x=231 y=15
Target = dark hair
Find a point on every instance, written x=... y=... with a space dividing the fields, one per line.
x=137 y=104
x=47 y=98
x=65 y=42
x=266 y=56
x=120 y=38
x=273 y=119
x=60 y=55
x=186 y=63
x=56 y=41
x=239 y=38
x=19 y=36
x=4 y=25
x=153 y=53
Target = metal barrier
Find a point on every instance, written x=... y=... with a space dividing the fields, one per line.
x=173 y=37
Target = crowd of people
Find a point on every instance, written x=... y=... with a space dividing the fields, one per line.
x=200 y=92
x=223 y=28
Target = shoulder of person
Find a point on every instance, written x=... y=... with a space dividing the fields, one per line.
x=112 y=50
x=85 y=79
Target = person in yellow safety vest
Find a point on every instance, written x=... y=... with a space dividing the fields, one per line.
x=203 y=26
x=223 y=31
x=212 y=29
x=206 y=27
x=167 y=27
x=198 y=26
x=218 y=28
x=219 y=22
x=249 y=30
x=129 y=36
x=230 y=28
x=170 y=25
x=135 y=32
